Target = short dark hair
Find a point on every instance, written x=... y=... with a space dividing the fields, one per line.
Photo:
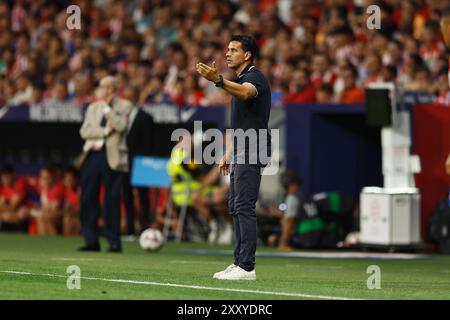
x=352 y=69
x=39 y=85
x=49 y=168
x=397 y=43
x=392 y=70
x=7 y=168
x=433 y=25
x=248 y=43
x=344 y=30
x=306 y=71
x=290 y=177
x=73 y=171
x=326 y=87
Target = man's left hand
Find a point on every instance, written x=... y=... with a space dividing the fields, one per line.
x=108 y=129
x=210 y=73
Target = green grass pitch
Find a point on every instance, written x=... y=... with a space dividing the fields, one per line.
x=35 y=268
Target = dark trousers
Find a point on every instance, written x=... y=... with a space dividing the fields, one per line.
x=94 y=172
x=144 y=214
x=128 y=201
x=244 y=188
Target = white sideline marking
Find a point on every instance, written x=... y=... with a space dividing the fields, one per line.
x=80 y=259
x=319 y=255
x=196 y=261
x=151 y=283
x=301 y=266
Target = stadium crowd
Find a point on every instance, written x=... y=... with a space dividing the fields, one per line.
x=312 y=51
x=45 y=205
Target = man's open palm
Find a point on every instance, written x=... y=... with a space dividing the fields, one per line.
x=210 y=73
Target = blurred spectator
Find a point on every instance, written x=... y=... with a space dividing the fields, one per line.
x=154 y=93
x=389 y=73
x=140 y=142
x=49 y=213
x=372 y=65
x=324 y=93
x=351 y=92
x=71 y=205
x=321 y=71
x=288 y=217
x=13 y=189
x=188 y=91
x=21 y=58
x=58 y=92
x=24 y=90
x=157 y=42
x=82 y=89
x=412 y=63
x=57 y=57
x=301 y=90
x=6 y=61
x=212 y=200
x=341 y=41
x=421 y=80
x=9 y=90
x=393 y=55
x=177 y=58
x=37 y=94
x=443 y=94
x=431 y=49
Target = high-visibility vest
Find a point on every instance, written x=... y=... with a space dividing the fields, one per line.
x=183 y=184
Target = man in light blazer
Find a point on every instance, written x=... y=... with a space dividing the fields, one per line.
x=104 y=160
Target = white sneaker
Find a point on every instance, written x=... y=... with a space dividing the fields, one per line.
x=238 y=274
x=228 y=269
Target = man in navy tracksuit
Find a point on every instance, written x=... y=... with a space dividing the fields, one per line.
x=250 y=110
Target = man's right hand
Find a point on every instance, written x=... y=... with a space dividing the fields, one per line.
x=108 y=129
x=224 y=166
x=210 y=73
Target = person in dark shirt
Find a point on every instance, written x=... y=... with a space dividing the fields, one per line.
x=140 y=140
x=250 y=111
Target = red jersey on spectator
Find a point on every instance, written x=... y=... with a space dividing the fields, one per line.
x=195 y=98
x=72 y=197
x=431 y=55
x=54 y=193
x=328 y=77
x=308 y=95
x=18 y=188
x=353 y=95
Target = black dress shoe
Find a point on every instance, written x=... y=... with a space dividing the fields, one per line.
x=115 y=250
x=91 y=247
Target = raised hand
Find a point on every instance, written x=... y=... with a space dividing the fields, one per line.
x=210 y=73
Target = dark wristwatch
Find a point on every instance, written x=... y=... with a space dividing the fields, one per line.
x=219 y=83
